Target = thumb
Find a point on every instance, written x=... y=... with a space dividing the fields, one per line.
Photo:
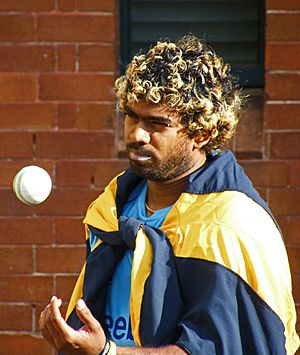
x=86 y=316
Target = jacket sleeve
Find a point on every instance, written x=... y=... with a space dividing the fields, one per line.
x=223 y=315
x=237 y=294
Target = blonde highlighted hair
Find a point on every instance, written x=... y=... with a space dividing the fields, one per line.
x=192 y=80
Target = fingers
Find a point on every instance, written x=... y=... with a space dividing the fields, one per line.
x=57 y=320
x=86 y=316
x=52 y=325
x=88 y=339
x=55 y=303
x=54 y=311
x=53 y=335
x=44 y=326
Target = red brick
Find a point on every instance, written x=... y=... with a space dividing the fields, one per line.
x=295 y=173
x=97 y=57
x=10 y=205
x=263 y=193
x=86 y=116
x=66 y=58
x=285 y=145
x=16 y=28
x=28 y=5
x=66 y=5
x=16 y=144
x=283 y=86
x=296 y=288
x=63 y=309
x=74 y=173
x=8 y=169
x=294 y=259
x=16 y=260
x=25 y=288
x=267 y=173
x=39 y=307
x=15 y=317
x=67 y=115
x=248 y=141
x=69 y=202
x=285 y=202
x=283 y=224
x=282 y=116
x=283 y=27
x=65 y=286
x=18 y=87
x=96 y=5
x=276 y=58
x=30 y=344
x=283 y=5
x=25 y=231
x=60 y=259
x=76 y=28
x=292 y=234
x=28 y=115
x=74 y=144
x=298 y=324
x=107 y=169
x=69 y=231
x=82 y=87
x=26 y=58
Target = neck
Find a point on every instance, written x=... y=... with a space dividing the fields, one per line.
x=161 y=195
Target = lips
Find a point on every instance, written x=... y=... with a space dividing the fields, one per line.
x=138 y=156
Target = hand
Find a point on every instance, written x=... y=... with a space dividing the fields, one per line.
x=88 y=340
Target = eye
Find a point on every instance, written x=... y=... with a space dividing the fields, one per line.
x=131 y=115
x=160 y=123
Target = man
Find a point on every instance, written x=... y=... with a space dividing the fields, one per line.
x=184 y=257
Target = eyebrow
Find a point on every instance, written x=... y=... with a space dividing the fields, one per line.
x=130 y=111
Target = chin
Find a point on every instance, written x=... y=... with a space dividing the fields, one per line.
x=151 y=174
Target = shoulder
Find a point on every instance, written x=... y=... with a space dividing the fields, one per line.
x=98 y=214
x=228 y=218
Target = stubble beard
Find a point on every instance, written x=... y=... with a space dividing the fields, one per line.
x=177 y=161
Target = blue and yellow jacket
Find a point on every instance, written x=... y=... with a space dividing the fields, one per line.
x=214 y=279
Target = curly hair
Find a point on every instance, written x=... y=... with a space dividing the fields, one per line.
x=192 y=80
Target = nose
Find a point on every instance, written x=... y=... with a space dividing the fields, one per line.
x=140 y=134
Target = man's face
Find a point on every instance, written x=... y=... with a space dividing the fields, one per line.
x=157 y=149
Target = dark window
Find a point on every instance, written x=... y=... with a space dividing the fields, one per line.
x=233 y=28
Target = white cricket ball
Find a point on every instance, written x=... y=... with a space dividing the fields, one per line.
x=32 y=185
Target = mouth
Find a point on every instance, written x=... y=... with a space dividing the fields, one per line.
x=138 y=156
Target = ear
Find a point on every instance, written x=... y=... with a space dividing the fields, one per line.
x=199 y=142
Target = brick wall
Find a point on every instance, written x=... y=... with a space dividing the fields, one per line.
x=282 y=124
x=58 y=61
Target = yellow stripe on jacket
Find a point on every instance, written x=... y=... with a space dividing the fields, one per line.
x=212 y=227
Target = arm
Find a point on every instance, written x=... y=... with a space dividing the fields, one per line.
x=88 y=340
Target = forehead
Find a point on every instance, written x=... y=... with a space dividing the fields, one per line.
x=146 y=109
